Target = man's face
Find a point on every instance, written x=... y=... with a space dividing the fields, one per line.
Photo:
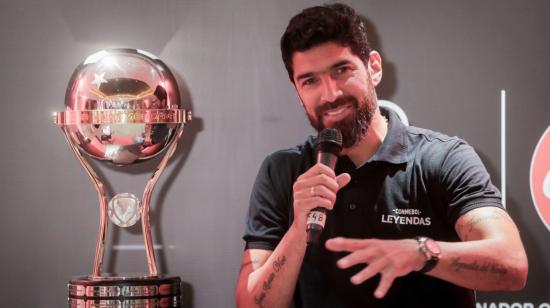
x=336 y=90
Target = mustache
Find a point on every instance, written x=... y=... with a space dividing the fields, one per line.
x=344 y=100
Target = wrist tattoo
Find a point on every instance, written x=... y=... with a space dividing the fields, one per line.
x=487 y=267
x=266 y=286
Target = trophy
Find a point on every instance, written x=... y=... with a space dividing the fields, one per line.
x=123 y=107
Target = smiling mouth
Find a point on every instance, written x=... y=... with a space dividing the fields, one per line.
x=337 y=111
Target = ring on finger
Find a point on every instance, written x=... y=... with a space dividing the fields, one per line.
x=312 y=191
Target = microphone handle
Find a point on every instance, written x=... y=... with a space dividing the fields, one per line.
x=315 y=224
x=317 y=217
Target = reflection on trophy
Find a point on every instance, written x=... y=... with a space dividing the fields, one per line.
x=123 y=107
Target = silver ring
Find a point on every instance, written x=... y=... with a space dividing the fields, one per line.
x=312 y=191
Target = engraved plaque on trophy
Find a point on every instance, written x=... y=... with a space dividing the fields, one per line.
x=123 y=107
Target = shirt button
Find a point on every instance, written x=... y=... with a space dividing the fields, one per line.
x=352 y=206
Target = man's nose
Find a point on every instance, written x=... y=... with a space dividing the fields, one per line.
x=330 y=90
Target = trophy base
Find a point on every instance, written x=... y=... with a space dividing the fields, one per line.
x=123 y=292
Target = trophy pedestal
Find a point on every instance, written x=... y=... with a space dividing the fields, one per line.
x=111 y=291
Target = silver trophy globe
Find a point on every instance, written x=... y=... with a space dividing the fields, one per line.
x=122 y=106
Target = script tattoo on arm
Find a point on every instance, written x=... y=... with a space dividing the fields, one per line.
x=487 y=267
x=277 y=266
x=468 y=228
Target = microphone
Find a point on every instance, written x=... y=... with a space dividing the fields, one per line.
x=327 y=146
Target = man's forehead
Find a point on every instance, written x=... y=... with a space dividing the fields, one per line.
x=322 y=57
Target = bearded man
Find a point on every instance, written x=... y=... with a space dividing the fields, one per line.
x=413 y=218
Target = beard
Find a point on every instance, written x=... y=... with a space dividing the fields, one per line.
x=353 y=127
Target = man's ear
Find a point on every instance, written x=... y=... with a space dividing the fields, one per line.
x=375 y=67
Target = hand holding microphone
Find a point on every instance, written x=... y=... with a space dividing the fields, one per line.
x=315 y=190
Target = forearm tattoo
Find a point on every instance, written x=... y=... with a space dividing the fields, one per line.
x=486 y=267
x=277 y=266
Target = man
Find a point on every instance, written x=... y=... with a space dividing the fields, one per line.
x=414 y=220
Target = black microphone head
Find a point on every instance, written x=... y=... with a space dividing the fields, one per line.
x=329 y=140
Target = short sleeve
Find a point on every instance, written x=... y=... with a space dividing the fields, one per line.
x=268 y=213
x=466 y=184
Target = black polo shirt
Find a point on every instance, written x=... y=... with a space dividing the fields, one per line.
x=418 y=183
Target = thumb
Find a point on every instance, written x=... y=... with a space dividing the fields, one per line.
x=343 y=179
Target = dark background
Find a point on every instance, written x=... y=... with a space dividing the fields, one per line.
x=445 y=63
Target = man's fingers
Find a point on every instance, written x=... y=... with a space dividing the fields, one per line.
x=320 y=175
x=313 y=202
x=318 y=191
x=386 y=278
x=344 y=244
x=306 y=182
x=368 y=272
x=385 y=283
x=320 y=169
x=343 y=179
x=361 y=256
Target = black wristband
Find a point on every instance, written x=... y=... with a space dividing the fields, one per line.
x=429 y=265
x=430 y=250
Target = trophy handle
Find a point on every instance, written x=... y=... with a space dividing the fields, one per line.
x=99 y=186
x=146 y=199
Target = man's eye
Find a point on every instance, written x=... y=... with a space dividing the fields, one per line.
x=342 y=70
x=309 y=81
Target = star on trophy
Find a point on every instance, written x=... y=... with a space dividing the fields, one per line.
x=123 y=107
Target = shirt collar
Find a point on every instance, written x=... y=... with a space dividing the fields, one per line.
x=395 y=146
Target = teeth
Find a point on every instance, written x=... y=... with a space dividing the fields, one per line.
x=336 y=112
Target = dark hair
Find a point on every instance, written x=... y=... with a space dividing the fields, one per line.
x=320 y=24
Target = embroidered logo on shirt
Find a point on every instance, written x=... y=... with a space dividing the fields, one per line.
x=406 y=217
